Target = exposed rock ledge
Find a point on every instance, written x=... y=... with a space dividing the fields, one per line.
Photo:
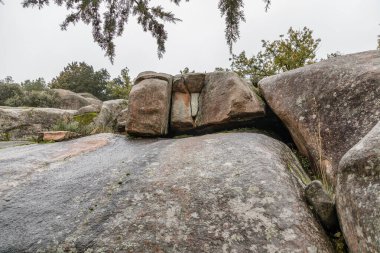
x=213 y=193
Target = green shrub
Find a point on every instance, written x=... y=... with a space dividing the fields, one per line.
x=5 y=136
x=34 y=98
x=8 y=90
x=63 y=125
x=73 y=126
x=81 y=124
x=38 y=84
x=305 y=163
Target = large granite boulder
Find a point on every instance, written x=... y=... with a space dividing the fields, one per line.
x=227 y=98
x=149 y=105
x=358 y=194
x=104 y=193
x=18 y=123
x=74 y=101
x=328 y=106
x=212 y=100
x=109 y=113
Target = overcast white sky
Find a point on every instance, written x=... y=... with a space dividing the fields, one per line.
x=32 y=44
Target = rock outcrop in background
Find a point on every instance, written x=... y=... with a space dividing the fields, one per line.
x=25 y=123
x=110 y=112
x=74 y=101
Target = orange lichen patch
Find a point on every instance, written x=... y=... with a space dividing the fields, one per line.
x=57 y=135
x=77 y=148
x=53 y=153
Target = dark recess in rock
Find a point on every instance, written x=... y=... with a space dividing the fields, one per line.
x=270 y=125
x=323 y=205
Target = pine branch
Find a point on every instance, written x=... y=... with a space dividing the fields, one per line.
x=109 y=24
x=233 y=12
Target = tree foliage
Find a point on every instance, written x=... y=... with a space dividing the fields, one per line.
x=333 y=55
x=81 y=77
x=8 y=89
x=295 y=50
x=38 y=84
x=109 y=17
x=77 y=77
x=186 y=70
x=31 y=93
x=34 y=98
x=120 y=86
x=222 y=69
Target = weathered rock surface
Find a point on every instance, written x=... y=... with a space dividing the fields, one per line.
x=358 y=194
x=212 y=100
x=8 y=144
x=73 y=101
x=179 y=84
x=328 y=106
x=194 y=82
x=227 y=98
x=181 y=118
x=109 y=113
x=57 y=135
x=121 y=120
x=214 y=193
x=89 y=109
x=149 y=106
x=153 y=75
x=87 y=95
x=323 y=205
x=25 y=123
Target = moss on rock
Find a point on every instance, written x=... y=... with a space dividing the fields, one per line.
x=85 y=118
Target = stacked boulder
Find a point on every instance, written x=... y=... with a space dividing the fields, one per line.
x=149 y=104
x=160 y=104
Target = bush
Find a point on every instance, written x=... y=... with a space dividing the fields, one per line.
x=73 y=126
x=81 y=124
x=38 y=84
x=295 y=50
x=45 y=98
x=9 y=90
